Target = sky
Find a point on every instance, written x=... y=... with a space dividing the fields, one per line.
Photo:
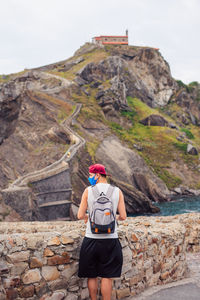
x=34 y=33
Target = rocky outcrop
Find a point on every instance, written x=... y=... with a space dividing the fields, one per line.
x=154 y=120
x=144 y=183
x=136 y=201
x=154 y=72
x=192 y=150
x=188 y=99
x=11 y=95
x=143 y=74
x=127 y=166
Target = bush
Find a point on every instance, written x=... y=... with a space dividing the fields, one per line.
x=181 y=84
x=181 y=146
x=193 y=83
x=128 y=114
x=188 y=133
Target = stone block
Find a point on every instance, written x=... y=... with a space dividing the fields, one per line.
x=18 y=257
x=164 y=275
x=32 y=242
x=11 y=282
x=84 y=282
x=113 y=295
x=84 y=293
x=154 y=280
x=149 y=273
x=152 y=250
x=156 y=267
x=61 y=267
x=69 y=271
x=11 y=294
x=123 y=293
x=73 y=288
x=58 y=284
x=140 y=287
x=123 y=242
x=2 y=296
x=55 y=241
x=3 y=267
x=58 y=260
x=48 y=252
x=167 y=265
x=134 y=237
x=147 y=263
x=137 y=278
x=18 y=268
x=66 y=240
x=50 y=273
x=41 y=288
x=74 y=280
x=117 y=283
x=127 y=255
x=31 y=276
x=27 y=291
x=35 y=263
x=134 y=271
x=126 y=267
x=58 y=295
x=71 y=296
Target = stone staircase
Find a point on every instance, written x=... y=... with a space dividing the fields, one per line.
x=51 y=186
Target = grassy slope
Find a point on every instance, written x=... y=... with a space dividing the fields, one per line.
x=160 y=146
x=93 y=56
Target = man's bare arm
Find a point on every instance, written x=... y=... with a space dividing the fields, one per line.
x=83 y=206
x=121 y=207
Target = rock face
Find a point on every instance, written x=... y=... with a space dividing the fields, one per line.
x=127 y=166
x=188 y=100
x=142 y=73
x=191 y=150
x=136 y=201
x=10 y=104
x=154 y=120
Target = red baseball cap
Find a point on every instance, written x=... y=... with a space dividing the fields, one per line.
x=97 y=168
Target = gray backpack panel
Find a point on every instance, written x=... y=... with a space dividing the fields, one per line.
x=102 y=218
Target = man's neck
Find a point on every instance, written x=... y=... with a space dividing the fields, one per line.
x=102 y=180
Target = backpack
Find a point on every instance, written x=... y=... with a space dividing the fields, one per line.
x=102 y=218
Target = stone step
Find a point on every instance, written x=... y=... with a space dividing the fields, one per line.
x=62 y=219
x=53 y=192
x=55 y=210
x=55 y=203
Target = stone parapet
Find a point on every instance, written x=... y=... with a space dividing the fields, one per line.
x=39 y=260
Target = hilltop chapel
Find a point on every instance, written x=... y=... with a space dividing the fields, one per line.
x=111 y=39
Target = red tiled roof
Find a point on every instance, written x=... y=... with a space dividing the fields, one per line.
x=111 y=36
x=121 y=43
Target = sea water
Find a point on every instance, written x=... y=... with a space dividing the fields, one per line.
x=179 y=206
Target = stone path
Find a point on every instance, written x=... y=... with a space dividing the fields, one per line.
x=185 y=289
x=78 y=140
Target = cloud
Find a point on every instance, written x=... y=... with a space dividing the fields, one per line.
x=38 y=32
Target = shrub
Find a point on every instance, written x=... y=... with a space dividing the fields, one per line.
x=181 y=84
x=181 y=146
x=188 y=133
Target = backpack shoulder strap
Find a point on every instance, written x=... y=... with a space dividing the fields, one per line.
x=110 y=191
x=95 y=191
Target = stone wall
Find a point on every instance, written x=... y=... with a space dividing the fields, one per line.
x=39 y=260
